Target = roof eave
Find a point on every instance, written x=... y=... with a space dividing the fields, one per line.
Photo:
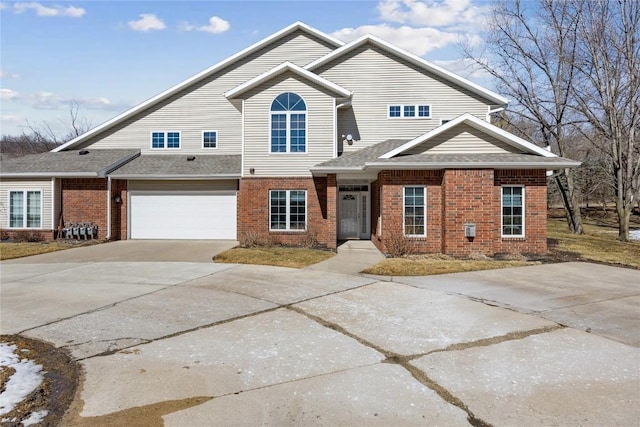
x=472 y=165
x=50 y=175
x=176 y=176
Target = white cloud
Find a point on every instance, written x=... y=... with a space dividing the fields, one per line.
x=436 y=13
x=47 y=11
x=216 y=25
x=6 y=75
x=416 y=40
x=147 y=22
x=11 y=118
x=3 y=5
x=8 y=94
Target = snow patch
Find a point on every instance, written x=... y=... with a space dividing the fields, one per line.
x=634 y=234
x=35 y=418
x=26 y=378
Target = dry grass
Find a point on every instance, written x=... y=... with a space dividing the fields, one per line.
x=10 y=250
x=437 y=264
x=599 y=243
x=276 y=256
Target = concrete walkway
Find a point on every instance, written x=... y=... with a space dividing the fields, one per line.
x=352 y=257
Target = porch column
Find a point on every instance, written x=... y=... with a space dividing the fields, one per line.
x=332 y=211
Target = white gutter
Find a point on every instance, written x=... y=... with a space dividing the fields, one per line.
x=495 y=110
x=176 y=177
x=108 y=207
x=475 y=165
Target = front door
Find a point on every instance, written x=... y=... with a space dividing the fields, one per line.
x=353 y=208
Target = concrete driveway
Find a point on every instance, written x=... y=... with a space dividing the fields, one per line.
x=214 y=344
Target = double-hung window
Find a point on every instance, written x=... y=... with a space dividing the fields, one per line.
x=513 y=211
x=414 y=211
x=287 y=210
x=161 y=140
x=25 y=209
x=288 y=124
x=209 y=139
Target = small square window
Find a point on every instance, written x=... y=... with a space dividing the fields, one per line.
x=424 y=111
x=394 y=111
x=409 y=110
x=209 y=139
x=157 y=140
x=173 y=139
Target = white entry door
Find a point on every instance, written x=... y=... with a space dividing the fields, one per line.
x=349 y=218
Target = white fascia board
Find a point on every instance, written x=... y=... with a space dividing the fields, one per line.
x=51 y=175
x=287 y=66
x=333 y=169
x=197 y=77
x=471 y=165
x=414 y=59
x=478 y=124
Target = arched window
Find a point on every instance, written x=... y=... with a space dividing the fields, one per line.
x=288 y=124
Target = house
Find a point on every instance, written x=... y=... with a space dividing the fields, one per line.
x=299 y=138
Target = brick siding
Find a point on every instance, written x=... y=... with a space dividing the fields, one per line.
x=253 y=209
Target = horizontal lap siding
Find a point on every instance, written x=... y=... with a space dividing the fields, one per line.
x=203 y=107
x=195 y=185
x=463 y=139
x=7 y=185
x=377 y=80
x=320 y=111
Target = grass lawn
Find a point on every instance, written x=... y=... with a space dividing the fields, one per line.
x=10 y=250
x=427 y=265
x=276 y=256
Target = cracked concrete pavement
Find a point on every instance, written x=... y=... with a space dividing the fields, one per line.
x=277 y=346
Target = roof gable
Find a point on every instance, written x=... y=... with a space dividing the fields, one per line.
x=297 y=26
x=411 y=58
x=282 y=68
x=518 y=144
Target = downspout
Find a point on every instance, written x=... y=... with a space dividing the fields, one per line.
x=108 y=237
x=495 y=110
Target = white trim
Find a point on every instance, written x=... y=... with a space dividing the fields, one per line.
x=467 y=165
x=176 y=177
x=335 y=128
x=284 y=67
x=242 y=145
x=210 y=131
x=416 y=60
x=53 y=205
x=108 y=236
x=424 y=212
x=25 y=208
x=490 y=112
x=478 y=124
x=513 y=236
x=200 y=76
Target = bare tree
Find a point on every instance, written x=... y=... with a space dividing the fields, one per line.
x=608 y=94
x=530 y=50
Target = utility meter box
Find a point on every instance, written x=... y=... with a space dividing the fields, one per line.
x=470 y=230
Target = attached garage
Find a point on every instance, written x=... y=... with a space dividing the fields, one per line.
x=182 y=210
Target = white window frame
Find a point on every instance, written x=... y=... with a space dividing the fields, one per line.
x=402 y=111
x=288 y=212
x=512 y=236
x=424 y=212
x=209 y=148
x=165 y=145
x=288 y=114
x=24 y=209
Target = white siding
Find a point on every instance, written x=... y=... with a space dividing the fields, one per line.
x=187 y=185
x=377 y=80
x=320 y=129
x=463 y=139
x=203 y=107
x=43 y=185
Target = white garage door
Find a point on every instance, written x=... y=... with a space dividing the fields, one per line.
x=198 y=215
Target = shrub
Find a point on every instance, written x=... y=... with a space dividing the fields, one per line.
x=249 y=239
x=28 y=236
x=310 y=240
x=398 y=245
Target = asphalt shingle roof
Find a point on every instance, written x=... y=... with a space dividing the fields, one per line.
x=66 y=163
x=178 y=165
x=368 y=154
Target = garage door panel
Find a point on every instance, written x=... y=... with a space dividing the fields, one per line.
x=183 y=216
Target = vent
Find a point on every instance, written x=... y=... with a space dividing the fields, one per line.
x=191 y=158
x=83 y=152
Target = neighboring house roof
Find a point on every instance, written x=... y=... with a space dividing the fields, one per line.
x=411 y=58
x=200 y=76
x=282 y=68
x=478 y=124
x=83 y=163
x=176 y=166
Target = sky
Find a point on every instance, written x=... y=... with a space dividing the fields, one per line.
x=107 y=56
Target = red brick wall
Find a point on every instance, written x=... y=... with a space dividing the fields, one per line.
x=85 y=200
x=456 y=197
x=119 y=210
x=253 y=209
